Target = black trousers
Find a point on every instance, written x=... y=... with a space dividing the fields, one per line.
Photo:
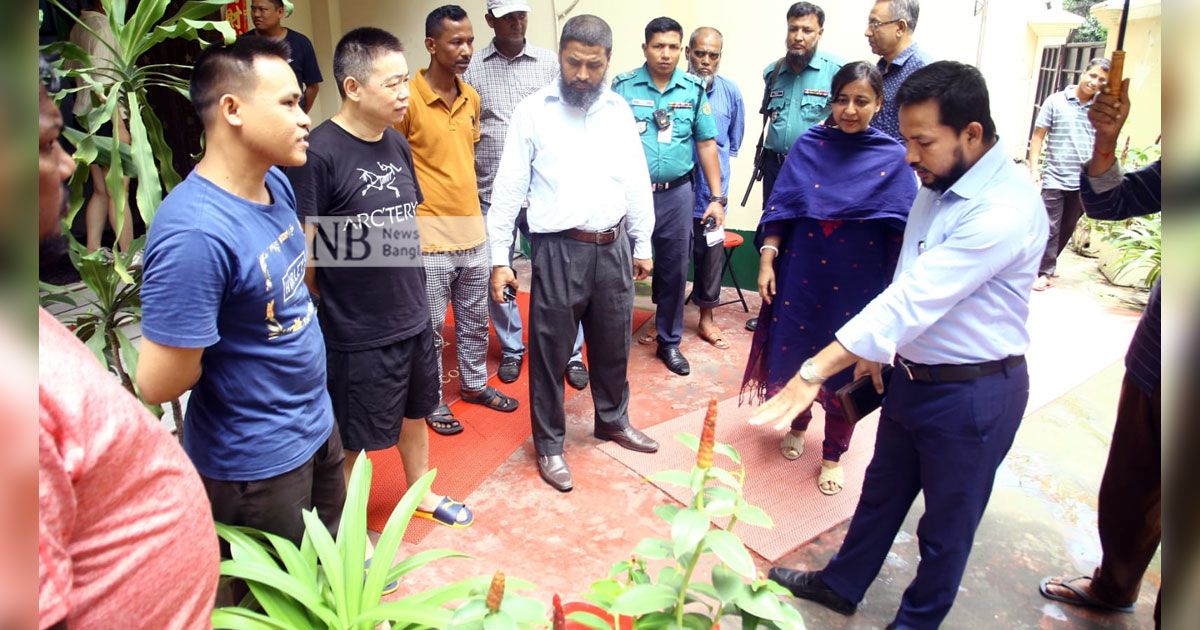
x=1063 y=207
x=672 y=241
x=706 y=261
x=274 y=505
x=573 y=283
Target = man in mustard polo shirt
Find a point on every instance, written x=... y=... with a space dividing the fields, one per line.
x=442 y=126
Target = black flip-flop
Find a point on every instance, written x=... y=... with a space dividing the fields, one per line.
x=443 y=423
x=491 y=398
x=1081 y=598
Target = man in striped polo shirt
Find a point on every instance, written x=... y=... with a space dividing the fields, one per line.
x=1062 y=125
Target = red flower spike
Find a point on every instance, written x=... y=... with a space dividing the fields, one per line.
x=559 y=619
x=496 y=592
x=708 y=437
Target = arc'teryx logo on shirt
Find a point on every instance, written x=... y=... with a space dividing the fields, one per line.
x=383 y=179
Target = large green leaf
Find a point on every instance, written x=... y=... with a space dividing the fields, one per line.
x=417 y=614
x=523 y=610
x=271 y=575
x=604 y=592
x=158 y=144
x=393 y=532
x=762 y=604
x=331 y=564
x=727 y=583
x=667 y=511
x=447 y=593
x=352 y=541
x=687 y=530
x=241 y=619
x=149 y=190
x=145 y=16
x=754 y=515
x=731 y=551
x=728 y=451
x=590 y=620
x=674 y=477
x=499 y=620
x=293 y=560
x=689 y=441
x=653 y=548
x=188 y=20
x=420 y=559
x=644 y=598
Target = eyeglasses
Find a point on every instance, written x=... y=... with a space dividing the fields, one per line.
x=873 y=25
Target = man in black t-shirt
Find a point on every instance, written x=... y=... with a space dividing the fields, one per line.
x=358 y=197
x=267 y=15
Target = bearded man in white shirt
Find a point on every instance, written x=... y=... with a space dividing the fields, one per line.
x=573 y=150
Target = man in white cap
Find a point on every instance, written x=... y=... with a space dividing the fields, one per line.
x=504 y=73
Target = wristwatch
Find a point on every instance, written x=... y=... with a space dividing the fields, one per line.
x=808 y=372
x=723 y=200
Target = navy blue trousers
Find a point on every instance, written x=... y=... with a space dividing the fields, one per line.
x=946 y=440
x=672 y=242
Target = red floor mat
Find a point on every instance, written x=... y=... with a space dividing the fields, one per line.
x=463 y=461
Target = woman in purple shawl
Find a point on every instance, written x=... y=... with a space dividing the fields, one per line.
x=829 y=238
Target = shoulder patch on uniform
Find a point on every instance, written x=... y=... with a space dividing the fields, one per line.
x=693 y=78
x=625 y=76
x=706 y=109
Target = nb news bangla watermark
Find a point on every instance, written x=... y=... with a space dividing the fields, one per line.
x=390 y=237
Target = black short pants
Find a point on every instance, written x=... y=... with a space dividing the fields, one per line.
x=374 y=390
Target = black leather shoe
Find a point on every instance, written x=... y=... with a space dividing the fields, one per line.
x=751 y=324
x=554 y=471
x=630 y=438
x=674 y=360
x=577 y=375
x=510 y=368
x=808 y=585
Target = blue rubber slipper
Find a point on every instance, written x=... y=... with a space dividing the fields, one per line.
x=388 y=588
x=447 y=513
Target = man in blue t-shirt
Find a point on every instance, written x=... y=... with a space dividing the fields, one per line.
x=226 y=313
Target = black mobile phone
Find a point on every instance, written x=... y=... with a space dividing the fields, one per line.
x=510 y=293
x=859 y=398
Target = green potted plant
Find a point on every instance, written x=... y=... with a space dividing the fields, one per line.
x=112 y=300
x=676 y=596
x=328 y=583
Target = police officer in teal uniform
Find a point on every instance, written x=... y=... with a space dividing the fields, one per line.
x=673 y=117
x=796 y=92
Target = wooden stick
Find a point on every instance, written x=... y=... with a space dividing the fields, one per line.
x=1115 y=70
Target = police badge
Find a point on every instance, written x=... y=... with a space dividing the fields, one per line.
x=642 y=125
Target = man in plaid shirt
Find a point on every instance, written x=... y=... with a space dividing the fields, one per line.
x=504 y=73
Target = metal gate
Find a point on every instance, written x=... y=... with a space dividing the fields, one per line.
x=1062 y=66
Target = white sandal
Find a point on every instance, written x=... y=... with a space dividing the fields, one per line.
x=792 y=446
x=835 y=478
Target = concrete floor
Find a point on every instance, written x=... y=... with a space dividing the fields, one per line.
x=1041 y=520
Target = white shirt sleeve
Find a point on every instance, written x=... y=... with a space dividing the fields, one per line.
x=511 y=186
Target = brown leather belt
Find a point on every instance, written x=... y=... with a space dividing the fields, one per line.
x=675 y=183
x=955 y=373
x=599 y=238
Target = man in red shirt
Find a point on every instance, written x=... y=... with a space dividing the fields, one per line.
x=125 y=532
